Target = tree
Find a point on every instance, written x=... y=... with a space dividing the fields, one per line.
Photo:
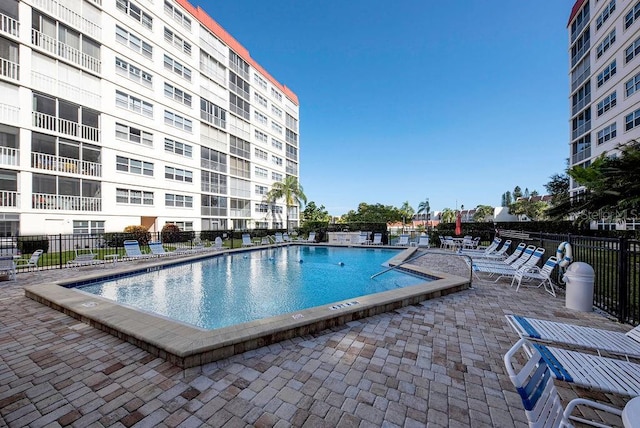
x=482 y=212
x=377 y=213
x=448 y=215
x=506 y=199
x=290 y=190
x=558 y=188
x=526 y=192
x=517 y=193
x=424 y=208
x=533 y=210
x=313 y=213
x=407 y=212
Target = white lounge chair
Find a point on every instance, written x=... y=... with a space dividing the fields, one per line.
x=157 y=249
x=542 y=404
x=246 y=240
x=362 y=239
x=534 y=273
x=500 y=256
x=310 y=238
x=31 y=262
x=377 y=239
x=133 y=251
x=83 y=259
x=517 y=254
x=217 y=244
x=611 y=342
x=279 y=239
x=7 y=267
x=403 y=240
x=527 y=260
x=423 y=241
x=487 y=250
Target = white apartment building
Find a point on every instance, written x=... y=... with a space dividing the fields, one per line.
x=136 y=112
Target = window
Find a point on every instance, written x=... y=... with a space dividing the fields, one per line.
x=291 y=122
x=179 y=201
x=276 y=160
x=581 y=123
x=632 y=120
x=177 y=174
x=177 y=15
x=275 y=94
x=213 y=159
x=177 y=121
x=261 y=172
x=213 y=182
x=238 y=86
x=176 y=41
x=177 y=147
x=134 y=166
x=261 y=118
x=261 y=190
x=133 y=42
x=238 y=65
x=275 y=110
x=260 y=99
x=276 y=127
x=88 y=227
x=581 y=73
x=134 y=197
x=239 y=106
x=582 y=18
x=607 y=73
x=261 y=136
x=179 y=95
x=239 y=147
x=239 y=188
x=275 y=176
x=211 y=113
x=177 y=68
x=632 y=85
x=580 y=47
x=260 y=81
x=607 y=103
x=213 y=205
x=185 y=226
x=632 y=51
x=135 y=12
x=262 y=208
x=292 y=167
x=607 y=133
x=276 y=144
x=292 y=137
x=632 y=16
x=133 y=135
x=260 y=154
x=240 y=208
x=239 y=167
x=606 y=13
x=292 y=152
x=606 y=43
x=133 y=104
x=134 y=73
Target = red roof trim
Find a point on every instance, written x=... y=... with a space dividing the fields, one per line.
x=574 y=11
x=216 y=29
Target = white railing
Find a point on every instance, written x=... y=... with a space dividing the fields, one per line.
x=9 y=156
x=9 y=198
x=239 y=71
x=67 y=127
x=45 y=201
x=9 y=25
x=9 y=114
x=71 y=17
x=65 y=90
x=65 y=51
x=62 y=164
x=9 y=69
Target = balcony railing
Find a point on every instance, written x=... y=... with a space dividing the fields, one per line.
x=72 y=92
x=9 y=69
x=62 y=164
x=9 y=156
x=580 y=156
x=9 y=198
x=45 y=201
x=8 y=25
x=67 y=127
x=9 y=114
x=71 y=17
x=65 y=51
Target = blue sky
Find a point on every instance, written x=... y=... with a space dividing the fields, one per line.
x=455 y=101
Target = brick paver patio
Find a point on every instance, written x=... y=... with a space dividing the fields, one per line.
x=438 y=363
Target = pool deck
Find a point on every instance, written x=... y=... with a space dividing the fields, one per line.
x=437 y=362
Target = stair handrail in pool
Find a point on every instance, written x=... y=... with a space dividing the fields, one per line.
x=424 y=254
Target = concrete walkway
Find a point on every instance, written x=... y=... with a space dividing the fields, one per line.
x=438 y=363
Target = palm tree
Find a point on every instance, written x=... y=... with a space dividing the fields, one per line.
x=424 y=208
x=290 y=190
x=448 y=215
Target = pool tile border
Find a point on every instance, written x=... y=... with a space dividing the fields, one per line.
x=188 y=346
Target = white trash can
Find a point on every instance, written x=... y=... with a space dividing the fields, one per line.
x=579 y=278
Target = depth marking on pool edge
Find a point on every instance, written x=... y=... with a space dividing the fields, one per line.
x=343 y=305
x=297 y=316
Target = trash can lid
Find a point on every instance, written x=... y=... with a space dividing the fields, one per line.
x=580 y=269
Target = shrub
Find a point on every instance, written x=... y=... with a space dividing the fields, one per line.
x=28 y=245
x=139 y=233
x=171 y=233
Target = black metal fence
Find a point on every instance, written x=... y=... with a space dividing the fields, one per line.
x=616 y=262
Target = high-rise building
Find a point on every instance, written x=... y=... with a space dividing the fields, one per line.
x=604 y=64
x=136 y=112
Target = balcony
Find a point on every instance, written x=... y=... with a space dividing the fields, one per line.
x=9 y=156
x=65 y=51
x=66 y=127
x=9 y=114
x=71 y=17
x=9 y=69
x=580 y=156
x=8 y=25
x=45 y=201
x=9 y=198
x=62 y=164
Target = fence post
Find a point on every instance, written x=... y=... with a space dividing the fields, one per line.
x=623 y=280
x=60 y=249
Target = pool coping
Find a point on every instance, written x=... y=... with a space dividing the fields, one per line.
x=188 y=346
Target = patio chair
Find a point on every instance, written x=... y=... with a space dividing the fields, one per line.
x=30 y=262
x=246 y=240
x=487 y=250
x=527 y=260
x=133 y=251
x=7 y=267
x=610 y=342
x=540 y=398
x=217 y=244
x=543 y=275
x=362 y=239
x=310 y=238
x=83 y=259
x=158 y=250
x=403 y=240
x=517 y=254
x=423 y=241
x=279 y=239
x=285 y=237
x=500 y=255
x=377 y=239
x=470 y=243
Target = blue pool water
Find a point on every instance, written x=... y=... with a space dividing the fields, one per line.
x=241 y=287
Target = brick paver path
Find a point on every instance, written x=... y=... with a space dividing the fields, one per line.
x=438 y=363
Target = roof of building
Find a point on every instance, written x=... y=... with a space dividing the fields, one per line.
x=574 y=11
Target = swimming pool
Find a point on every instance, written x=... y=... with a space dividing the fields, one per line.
x=186 y=345
x=242 y=287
